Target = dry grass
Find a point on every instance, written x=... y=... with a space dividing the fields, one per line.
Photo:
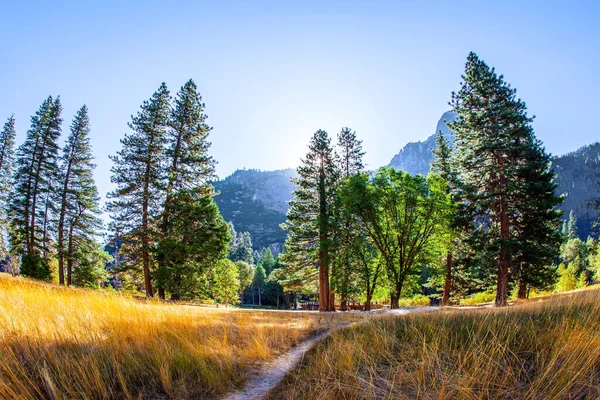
x=62 y=343
x=542 y=349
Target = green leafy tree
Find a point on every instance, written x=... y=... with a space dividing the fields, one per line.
x=196 y=242
x=31 y=203
x=189 y=167
x=225 y=282
x=245 y=274
x=401 y=215
x=494 y=139
x=7 y=159
x=309 y=220
x=139 y=175
x=79 y=210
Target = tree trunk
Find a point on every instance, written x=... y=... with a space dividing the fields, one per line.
x=161 y=292
x=70 y=256
x=394 y=301
x=259 y=299
x=323 y=246
x=523 y=292
x=448 y=282
x=344 y=305
x=368 y=300
x=144 y=232
x=331 y=301
x=503 y=264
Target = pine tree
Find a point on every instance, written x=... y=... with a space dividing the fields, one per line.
x=309 y=218
x=493 y=139
x=138 y=172
x=189 y=165
x=32 y=201
x=267 y=261
x=350 y=156
x=79 y=210
x=258 y=282
x=241 y=248
x=7 y=158
x=572 y=225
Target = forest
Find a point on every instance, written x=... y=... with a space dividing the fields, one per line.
x=483 y=226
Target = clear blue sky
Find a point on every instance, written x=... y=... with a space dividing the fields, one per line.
x=271 y=73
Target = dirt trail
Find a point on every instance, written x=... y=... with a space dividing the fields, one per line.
x=263 y=381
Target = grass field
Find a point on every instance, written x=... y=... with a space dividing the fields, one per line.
x=62 y=343
x=547 y=348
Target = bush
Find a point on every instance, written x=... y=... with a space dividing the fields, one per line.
x=35 y=266
x=479 y=298
x=416 y=300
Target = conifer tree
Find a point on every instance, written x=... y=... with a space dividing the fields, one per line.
x=32 y=201
x=189 y=167
x=494 y=138
x=346 y=230
x=138 y=172
x=7 y=155
x=79 y=210
x=258 y=282
x=309 y=218
x=267 y=261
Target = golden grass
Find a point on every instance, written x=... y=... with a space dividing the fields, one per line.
x=542 y=349
x=64 y=343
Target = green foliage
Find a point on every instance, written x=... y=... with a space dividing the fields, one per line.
x=197 y=240
x=267 y=261
x=478 y=298
x=89 y=270
x=35 y=266
x=225 y=282
x=567 y=278
x=402 y=215
x=7 y=155
x=240 y=248
x=258 y=282
x=245 y=274
x=32 y=205
x=416 y=300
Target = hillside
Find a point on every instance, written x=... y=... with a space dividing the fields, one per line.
x=256 y=202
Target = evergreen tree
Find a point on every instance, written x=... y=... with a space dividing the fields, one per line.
x=241 y=248
x=267 y=261
x=78 y=214
x=572 y=225
x=90 y=271
x=258 y=282
x=138 y=172
x=494 y=137
x=32 y=204
x=189 y=166
x=7 y=155
x=346 y=230
x=196 y=241
x=309 y=219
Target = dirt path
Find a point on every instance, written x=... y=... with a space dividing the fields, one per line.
x=262 y=382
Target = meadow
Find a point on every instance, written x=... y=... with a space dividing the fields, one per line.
x=545 y=348
x=64 y=343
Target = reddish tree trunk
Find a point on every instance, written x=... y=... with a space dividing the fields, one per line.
x=503 y=264
x=448 y=282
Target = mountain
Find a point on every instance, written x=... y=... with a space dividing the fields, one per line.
x=578 y=178
x=256 y=201
x=416 y=157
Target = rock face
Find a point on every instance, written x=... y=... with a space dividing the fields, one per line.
x=256 y=202
x=416 y=157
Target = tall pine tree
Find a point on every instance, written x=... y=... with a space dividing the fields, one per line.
x=7 y=156
x=138 y=173
x=494 y=138
x=309 y=218
x=35 y=180
x=346 y=229
x=189 y=167
x=78 y=213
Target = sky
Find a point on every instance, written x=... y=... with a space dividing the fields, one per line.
x=273 y=72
